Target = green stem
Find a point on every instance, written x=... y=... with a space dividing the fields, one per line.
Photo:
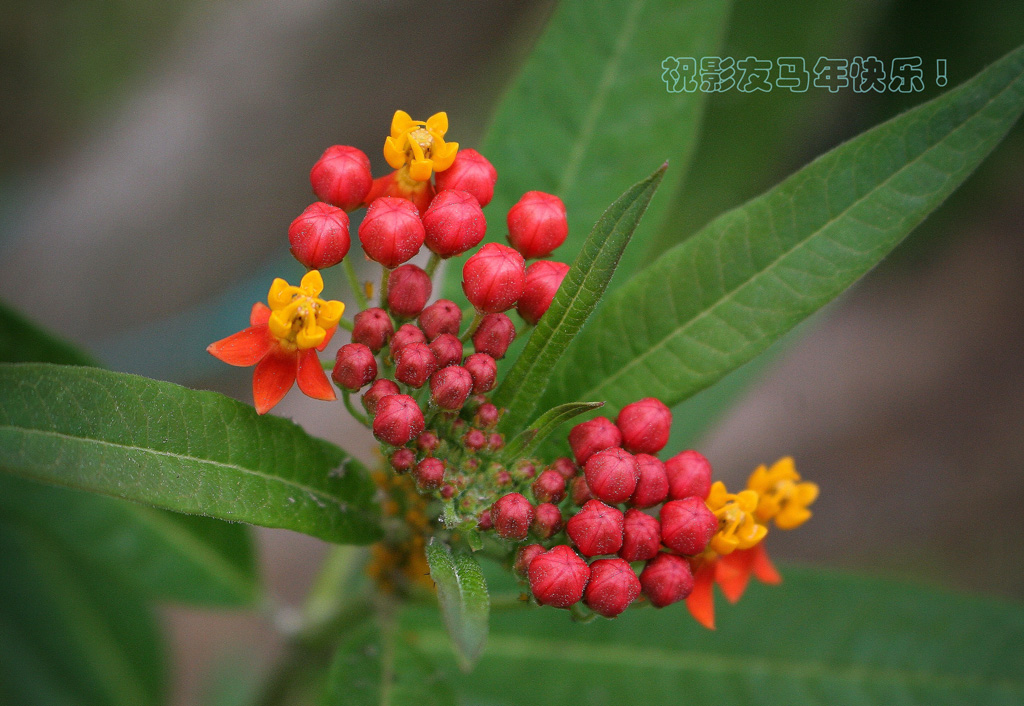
x=432 y=264
x=385 y=277
x=346 y=397
x=354 y=283
x=477 y=318
x=346 y=324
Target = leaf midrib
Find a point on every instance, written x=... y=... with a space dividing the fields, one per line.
x=729 y=295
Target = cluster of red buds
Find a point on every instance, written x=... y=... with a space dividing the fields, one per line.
x=609 y=527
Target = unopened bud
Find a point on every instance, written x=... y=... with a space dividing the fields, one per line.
x=447 y=349
x=543 y=278
x=406 y=334
x=391 y=231
x=494 y=335
x=372 y=328
x=483 y=521
x=565 y=468
x=487 y=415
x=319 y=236
x=613 y=586
x=547 y=520
x=666 y=579
x=495 y=441
x=341 y=177
x=354 y=367
x=652 y=487
x=689 y=474
x=402 y=460
x=484 y=370
x=409 y=289
x=596 y=529
x=612 y=475
x=579 y=492
x=537 y=224
x=427 y=442
x=443 y=316
x=398 y=420
x=378 y=390
x=524 y=556
x=641 y=536
x=429 y=474
x=470 y=172
x=449 y=387
x=549 y=487
x=454 y=223
x=558 y=577
x=503 y=478
x=591 y=436
x=493 y=278
x=687 y=525
x=645 y=425
x=474 y=440
x=512 y=515
x=414 y=364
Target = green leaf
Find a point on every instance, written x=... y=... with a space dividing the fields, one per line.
x=581 y=290
x=23 y=341
x=183 y=450
x=166 y=555
x=531 y=437
x=589 y=110
x=68 y=634
x=721 y=297
x=818 y=639
x=376 y=666
x=462 y=595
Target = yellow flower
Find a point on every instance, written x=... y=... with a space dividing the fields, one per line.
x=737 y=528
x=783 y=497
x=419 y=144
x=298 y=316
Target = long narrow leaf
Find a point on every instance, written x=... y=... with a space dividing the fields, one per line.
x=531 y=437
x=462 y=594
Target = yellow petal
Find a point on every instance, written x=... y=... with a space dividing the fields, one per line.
x=444 y=156
x=438 y=122
x=717 y=496
x=724 y=544
x=313 y=282
x=747 y=500
x=792 y=517
x=310 y=337
x=420 y=169
x=401 y=122
x=758 y=479
x=393 y=153
x=806 y=493
x=785 y=468
x=280 y=294
x=280 y=324
x=330 y=313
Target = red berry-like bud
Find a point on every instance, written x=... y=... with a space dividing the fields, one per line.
x=454 y=223
x=495 y=441
x=641 y=536
x=484 y=522
x=398 y=420
x=406 y=334
x=319 y=236
x=427 y=442
x=543 y=278
x=448 y=491
x=612 y=475
x=645 y=425
x=565 y=468
x=689 y=474
x=447 y=349
x=687 y=525
x=402 y=460
x=474 y=440
x=591 y=436
x=429 y=474
x=488 y=415
x=484 y=370
x=512 y=515
x=524 y=556
x=558 y=577
x=524 y=470
x=443 y=316
x=341 y=177
x=549 y=487
x=579 y=492
x=470 y=172
x=494 y=335
x=613 y=586
x=547 y=520
x=378 y=390
x=354 y=367
x=449 y=387
x=596 y=529
x=391 y=231
x=537 y=224
x=652 y=487
x=414 y=364
x=503 y=478
x=408 y=291
x=493 y=278
x=372 y=328
x=666 y=579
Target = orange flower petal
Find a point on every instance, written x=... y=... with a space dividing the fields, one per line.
x=732 y=573
x=245 y=348
x=701 y=601
x=273 y=377
x=327 y=338
x=762 y=566
x=311 y=377
x=260 y=314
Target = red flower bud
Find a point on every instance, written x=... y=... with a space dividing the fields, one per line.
x=429 y=474
x=402 y=460
x=474 y=440
x=372 y=328
x=354 y=367
x=470 y=172
x=666 y=579
x=406 y=334
x=547 y=520
x=641 y=536
x=493 y=278
x=443 y=316
x=484 y=523
x=319 y=236
x=449 y=387
x=447 y=349
x=591 y=436
x=537 y=224
x=613 y=586
x=378 y=390
x=341 y=177
x=549 y=487
x=645 y=425
x=454 y=223
x=398 y=420
x=495 y=441
x=448 y=491
x=687 y=525
x=427 y=442
x=689 y=474
x=565 y=468
x=488 y=415
x=524 y=556
x=652 y=487
x=502 y=478
x=512 y=515
x=596 y=529
x=612 y=475
x=525 y=470
x=558 y=577
x=543 y=278
x=391 y=231
x=414 y=364
x=494 y=335
x=408 y=291
x=484 y=371
x=579 y=492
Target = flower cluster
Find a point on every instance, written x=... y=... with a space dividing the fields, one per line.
x=608 y=527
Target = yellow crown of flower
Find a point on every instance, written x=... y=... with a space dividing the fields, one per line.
x=782 y=497
x=737 y=528
x=298 y=316
x=419 y=144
